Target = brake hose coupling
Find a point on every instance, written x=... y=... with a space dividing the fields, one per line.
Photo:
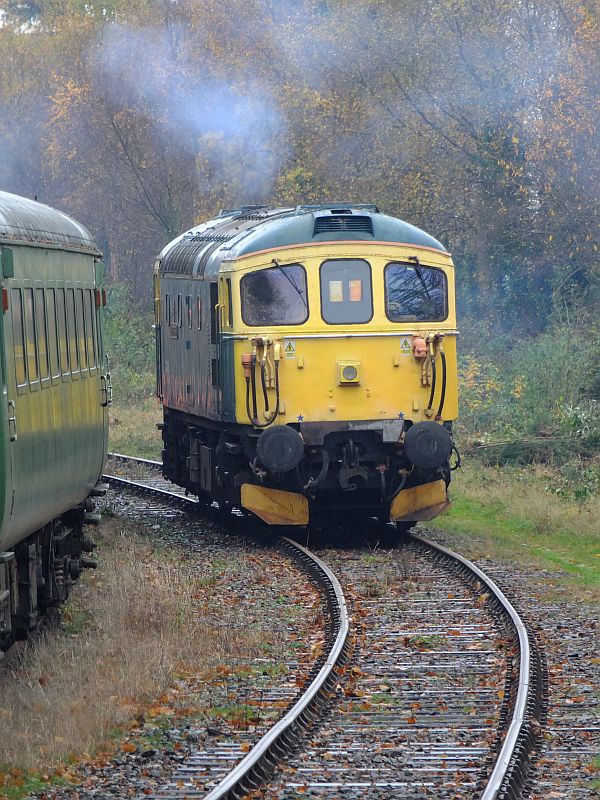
x=434 y=342
x=419 y=347
x=247 y=364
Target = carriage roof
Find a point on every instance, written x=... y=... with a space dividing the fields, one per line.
x=26 y=222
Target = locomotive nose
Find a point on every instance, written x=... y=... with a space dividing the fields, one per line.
x=427 y=445
x=280 y=448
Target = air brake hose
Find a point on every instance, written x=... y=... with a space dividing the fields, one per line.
x=263 y=381
x=314 y=482
x=433 y=382
x=399 y=488
x=273 y=417
x=276 y=392
x=253 y=385
x=248 y=399
x=443 y=393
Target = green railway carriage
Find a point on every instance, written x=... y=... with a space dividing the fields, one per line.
x=306 y=362
x=55 y=389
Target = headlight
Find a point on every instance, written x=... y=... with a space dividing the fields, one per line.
x=348 y=373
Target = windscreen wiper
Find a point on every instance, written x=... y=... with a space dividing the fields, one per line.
x=419 y=271
x=291 y=280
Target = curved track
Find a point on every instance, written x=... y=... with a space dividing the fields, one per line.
x=444 y=694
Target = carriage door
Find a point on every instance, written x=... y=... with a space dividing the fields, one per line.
x=8 y=429
x=103 y=362
x=7 y=406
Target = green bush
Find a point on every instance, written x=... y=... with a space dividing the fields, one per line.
x=130 y=346
x=532 y=400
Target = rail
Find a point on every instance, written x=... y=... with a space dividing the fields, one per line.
x=511 y=769
x=262 y=760
x=516 y=744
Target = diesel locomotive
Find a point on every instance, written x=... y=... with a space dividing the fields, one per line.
x=306 y=363
x=55 y=393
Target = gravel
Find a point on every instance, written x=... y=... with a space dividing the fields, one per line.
x=568 y=766
x=161 y=753
x=219 y=718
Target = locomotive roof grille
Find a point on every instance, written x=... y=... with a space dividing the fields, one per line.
x=209 y=237
x=181 y=259
x=243 y=210
x=343 y=221
x=251 y=229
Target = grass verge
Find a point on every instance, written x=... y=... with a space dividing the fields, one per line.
x=510 y=514
x=133 y=428
x=127 y=632
x=157 y=640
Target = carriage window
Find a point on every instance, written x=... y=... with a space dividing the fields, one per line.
x=346 y=291
x=72 y=333
x=189 y=310
x=81 y=341
x=42 y=340
x=199 y=312
x=275 y=296
x=96 y=333
x=52 y=339
x=88 y=314
x=414 y=293
x=32 y=368
x=18 y=337
x=62 y=331
x=167 y=310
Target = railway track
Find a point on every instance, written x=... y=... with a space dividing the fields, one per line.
x=442 y=697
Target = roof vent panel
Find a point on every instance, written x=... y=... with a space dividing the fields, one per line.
x=337 y=223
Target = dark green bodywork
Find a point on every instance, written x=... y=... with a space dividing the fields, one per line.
x=53 y=431
x=288 y=231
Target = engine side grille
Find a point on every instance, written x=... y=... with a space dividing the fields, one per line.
x=181 y=258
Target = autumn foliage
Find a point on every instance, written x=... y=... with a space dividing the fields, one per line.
x=476 y=121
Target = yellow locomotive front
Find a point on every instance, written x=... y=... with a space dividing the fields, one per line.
x=334 y=366
x=345 y=358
